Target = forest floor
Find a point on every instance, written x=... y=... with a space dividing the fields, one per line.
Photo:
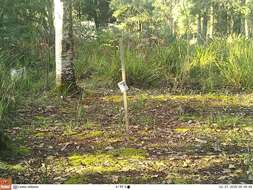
x=171 y=139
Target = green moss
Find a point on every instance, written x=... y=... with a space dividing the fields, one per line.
x=94 y=134
x=39 y=134
x=83 y=135
x=182 y=130
x=113 y=98
x=69 y=132
x=89 y=159
x=96 y=163
x=211 y=99
x=129 y=153
x=76 y=180
x=110 y=178
x=180 y=180
x=90 y=134
x=42 y=134
x=177 y=178
x=124 y=159
x=89 y=125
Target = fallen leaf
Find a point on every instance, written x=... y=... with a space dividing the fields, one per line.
x=226 y=171
x=231 y=166
x=65 y=146
x=186 y=163
x=200 y=141
x=115 y=179
x=109 y=148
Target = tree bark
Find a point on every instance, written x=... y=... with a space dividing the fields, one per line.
x=204 y=29
x=211 y=22
x=97 y=24
x=65 y=77
x=199 y=28
x=247 y=28
x=171 y=25
x=230 y=24
x=243 y=19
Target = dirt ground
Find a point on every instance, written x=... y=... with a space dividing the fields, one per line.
x=171 y=139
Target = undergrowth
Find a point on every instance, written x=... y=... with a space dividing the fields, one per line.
x=214 y=65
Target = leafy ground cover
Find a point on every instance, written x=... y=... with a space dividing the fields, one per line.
x=171 y=139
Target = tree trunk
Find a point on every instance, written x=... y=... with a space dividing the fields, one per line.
x=199 y=28
x=247 y=22
x=246 y=26
x=65 y=77
x=97 y=24
x=243 y=19
x=230 y=24
x=221 y=26
x=237 y=24
x=171 y=25
x=211 y=22
x=204 y=29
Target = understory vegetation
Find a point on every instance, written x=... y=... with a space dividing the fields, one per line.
x=219 y=64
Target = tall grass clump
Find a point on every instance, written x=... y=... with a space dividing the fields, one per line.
x=13 y=90
x=171 y=60
x=7 y=92
x=141 y=71
x=7 y=100
x=202 y=71
x=237 y=70
x=97 y=63
x=101 y=63
x=218 y=64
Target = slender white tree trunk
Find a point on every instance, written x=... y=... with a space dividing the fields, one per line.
x=64 y=44
x=246 y=24
x=211 y=22
x=246 y=28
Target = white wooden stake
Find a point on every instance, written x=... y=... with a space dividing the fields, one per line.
x=123 y=69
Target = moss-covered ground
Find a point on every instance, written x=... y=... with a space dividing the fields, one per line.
x=171 y=139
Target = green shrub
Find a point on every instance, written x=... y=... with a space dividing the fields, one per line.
x=140 y=71
x=102 y=63
x=202 y=71
x=221 y=64
x=217 y=64
x=238 y=69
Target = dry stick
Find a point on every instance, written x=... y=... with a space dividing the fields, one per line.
x=123 y=69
